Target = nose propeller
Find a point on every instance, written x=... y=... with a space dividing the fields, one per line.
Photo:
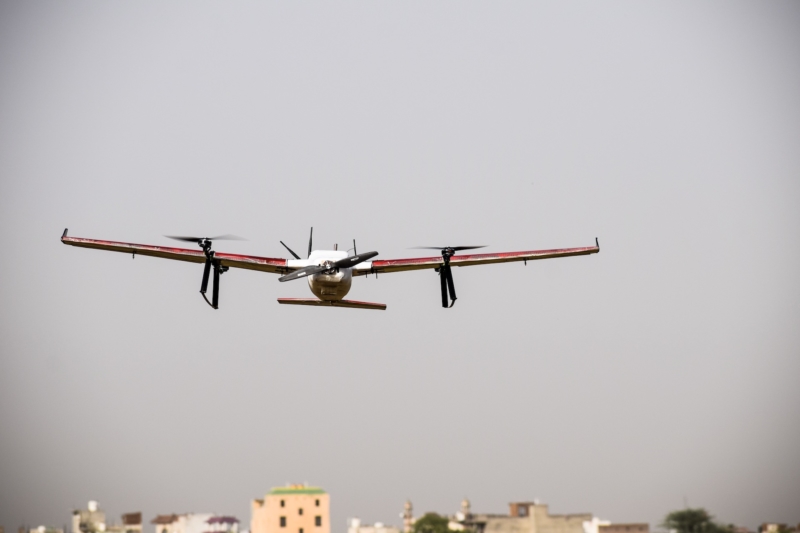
x=328 y=266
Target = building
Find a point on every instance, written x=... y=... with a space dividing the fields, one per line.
x=354 y=525
x=291 y=509
x=625 y=528
x=527 y=517
x=595 y=525
x=132 y=523
x=534 y=517
x=89 y=520
x=163 y=522
x=195 y=523
x=46 y=529
x=93 y=520
x=222 y=524
x=771 y=527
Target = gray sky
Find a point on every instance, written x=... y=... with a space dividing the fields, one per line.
x=661 y=369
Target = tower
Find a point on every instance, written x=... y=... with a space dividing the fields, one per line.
x=465 y=508
x=408 y=517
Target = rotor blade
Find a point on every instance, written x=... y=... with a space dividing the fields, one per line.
x=310 y=238
x=206 y=272
x=303 y=272
x=353 y=260
x=450 y=285
x=197 y=239
x=226 y=237
x=215 y=295
x=181 y=238
x=454 y=248
x=457 y=248
x=290 y=250
x=443 y=282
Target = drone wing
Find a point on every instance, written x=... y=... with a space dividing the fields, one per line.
x=250 y=262
x=418 y=263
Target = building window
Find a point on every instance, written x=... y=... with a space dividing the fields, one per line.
x=300 y=511
x=283 y=503
x=317 y=503
x=522 y=511
x=317 y=521
x=283 y=521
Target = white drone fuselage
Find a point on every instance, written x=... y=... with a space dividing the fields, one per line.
x=328 y=286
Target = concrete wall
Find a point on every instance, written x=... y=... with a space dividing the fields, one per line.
x=567 y=523
x=625 y=528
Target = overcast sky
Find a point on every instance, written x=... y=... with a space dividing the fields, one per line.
x=660 y=372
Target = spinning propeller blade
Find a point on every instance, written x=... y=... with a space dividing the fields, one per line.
x=200 y=239
x=347 y=262
x=454 y=248
x=353 y=260
x=303 y=272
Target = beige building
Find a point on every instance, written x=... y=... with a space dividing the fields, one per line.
x=93 y=520
x=132 y=522
x=526 y=517
x=292 y=509
x=89 y=520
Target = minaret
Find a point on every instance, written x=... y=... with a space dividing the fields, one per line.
x=465 y=508
x=408 y=517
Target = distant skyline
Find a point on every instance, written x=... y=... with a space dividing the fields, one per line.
x=660 y=371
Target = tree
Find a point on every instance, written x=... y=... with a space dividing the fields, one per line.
x=692 y=521
x=431 y=523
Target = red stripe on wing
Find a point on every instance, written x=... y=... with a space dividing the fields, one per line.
x=396 y=265
x=251 y=262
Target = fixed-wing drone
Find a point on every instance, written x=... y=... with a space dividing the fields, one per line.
x=329 y=272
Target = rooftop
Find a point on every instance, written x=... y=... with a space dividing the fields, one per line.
x=132 y=519
x=222 y=520
x=297 y=489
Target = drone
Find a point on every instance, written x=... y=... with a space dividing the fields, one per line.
x=329 y=273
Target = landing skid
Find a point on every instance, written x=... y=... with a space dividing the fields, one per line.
x=336 y=303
